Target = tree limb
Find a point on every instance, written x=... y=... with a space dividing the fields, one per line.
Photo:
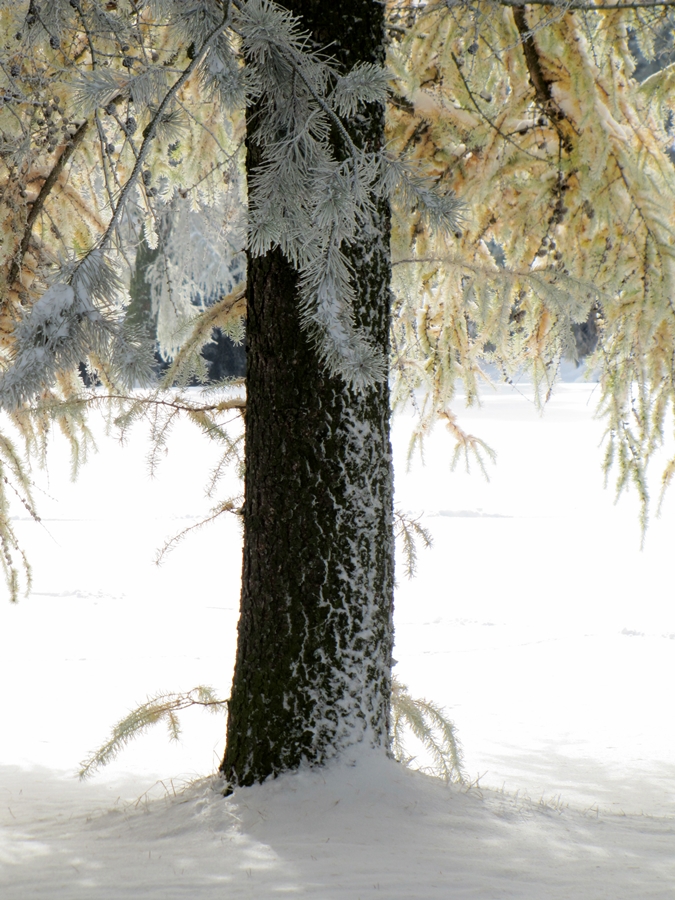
x=562 y=5
x=238 y=403
x=151 y=129
x=484 y=115
x=539 y=83
x=41 y=198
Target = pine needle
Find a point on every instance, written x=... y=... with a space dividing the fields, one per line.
x=429 y=723
x=162 y=707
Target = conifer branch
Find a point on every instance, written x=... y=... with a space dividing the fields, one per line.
x=49 y=182
x=337 y=121
x=151 y=129
x=650 y=232
x=429 y=723
x=487 y=118
x=232 y=306
x=238 y=403
x=561 y=5
x=104 y=166
x=233 y=505
x=541 y=86
x=160 y=708
x=409 y=530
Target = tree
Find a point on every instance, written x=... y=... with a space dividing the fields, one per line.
x=132 y=86
x=313 y=666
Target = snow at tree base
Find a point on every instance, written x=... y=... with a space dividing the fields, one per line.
x=535 y=619
x=347 y=833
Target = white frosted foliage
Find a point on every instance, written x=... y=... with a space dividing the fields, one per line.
x=159 y=157
x=49 y=336
x=201 y=259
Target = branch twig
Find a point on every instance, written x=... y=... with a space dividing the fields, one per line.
x=539 y=83
x=489 y=120
x=151 y=129
x=41 y=198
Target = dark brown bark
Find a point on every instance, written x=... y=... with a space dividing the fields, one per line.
x=542 y=87
x=312 y=674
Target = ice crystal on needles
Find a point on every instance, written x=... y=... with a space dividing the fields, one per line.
x=110 y=133
x=127 y=80
x=201 y=258
x=303 y=199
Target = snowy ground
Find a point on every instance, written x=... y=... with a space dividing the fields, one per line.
x=535 y=619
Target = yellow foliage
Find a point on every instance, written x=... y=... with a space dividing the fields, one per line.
x=535 y=119
x=71 y=131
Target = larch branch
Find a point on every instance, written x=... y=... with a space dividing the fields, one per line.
x=41 y=198
x=539 y=83
x=484 y=115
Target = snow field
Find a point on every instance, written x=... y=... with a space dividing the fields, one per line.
x=370 y=830
x=535 y=619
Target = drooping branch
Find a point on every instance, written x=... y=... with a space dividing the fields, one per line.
x=561 y=5
x=234 y=403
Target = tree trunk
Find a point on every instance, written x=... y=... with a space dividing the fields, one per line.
x=313 y=668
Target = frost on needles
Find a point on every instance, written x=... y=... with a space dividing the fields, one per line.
x=138 y=88
x=73 y=319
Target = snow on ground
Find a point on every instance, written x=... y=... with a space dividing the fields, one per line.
x=535 y=619
x=374 y=830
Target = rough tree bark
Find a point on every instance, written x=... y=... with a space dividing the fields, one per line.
x=313 y=667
